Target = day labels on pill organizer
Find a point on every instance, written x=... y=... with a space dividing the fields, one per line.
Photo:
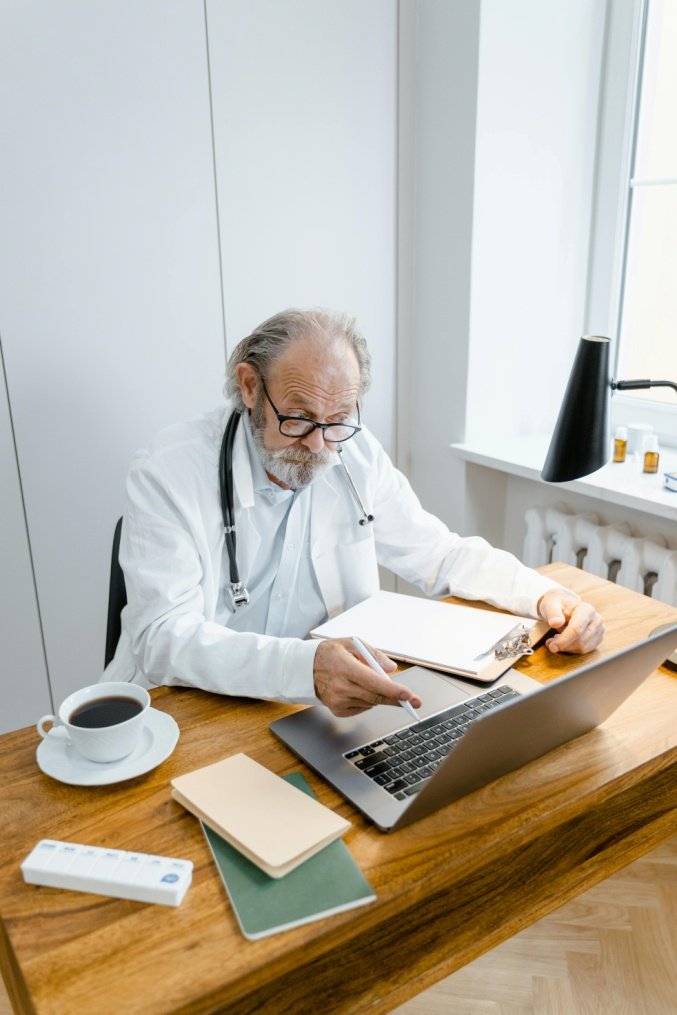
x=141 y=877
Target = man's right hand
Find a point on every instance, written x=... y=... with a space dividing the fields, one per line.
x=348 y=686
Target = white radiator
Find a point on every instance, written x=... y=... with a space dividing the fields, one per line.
x=610 y=551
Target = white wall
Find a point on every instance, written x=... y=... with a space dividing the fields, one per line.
x=498 y=133
x=612 y=165
x=539 y=80
x=437 y=111
x=304 y=98
x=329 y=181
x=111 y=273
x=555 y=84
x=110 y=309
x=23 y=674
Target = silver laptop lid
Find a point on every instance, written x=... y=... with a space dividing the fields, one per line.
x=497 y=743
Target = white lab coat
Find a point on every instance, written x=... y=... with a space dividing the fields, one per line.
x=173 y=560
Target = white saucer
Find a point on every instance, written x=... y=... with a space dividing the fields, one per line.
x=57 y=758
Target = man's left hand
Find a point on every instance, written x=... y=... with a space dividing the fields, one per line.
x=579 y=626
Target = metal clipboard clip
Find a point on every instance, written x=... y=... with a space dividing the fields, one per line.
x=516 y=643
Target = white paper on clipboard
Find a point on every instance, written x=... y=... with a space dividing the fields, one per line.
x=442 y=636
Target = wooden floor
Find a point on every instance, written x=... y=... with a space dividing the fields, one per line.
x=613 y=951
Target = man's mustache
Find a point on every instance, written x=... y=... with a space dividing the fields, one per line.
x=302 y=456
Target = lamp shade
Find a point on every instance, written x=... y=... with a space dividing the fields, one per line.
x=581 y=443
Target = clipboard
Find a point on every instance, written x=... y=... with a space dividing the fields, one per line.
x=462 y=640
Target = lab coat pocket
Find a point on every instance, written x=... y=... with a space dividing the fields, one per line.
x=346 y=573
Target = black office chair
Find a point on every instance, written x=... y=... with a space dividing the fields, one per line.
x=117 y=597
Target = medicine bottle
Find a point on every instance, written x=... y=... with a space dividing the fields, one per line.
x=651 y=454
x=620 y=443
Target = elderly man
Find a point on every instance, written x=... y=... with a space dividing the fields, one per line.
x=226 y=579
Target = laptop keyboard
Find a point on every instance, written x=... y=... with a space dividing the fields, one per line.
x=402 y=762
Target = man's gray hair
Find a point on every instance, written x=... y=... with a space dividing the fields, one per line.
x=270 y=340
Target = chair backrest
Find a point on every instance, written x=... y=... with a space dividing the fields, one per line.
x=117 y=597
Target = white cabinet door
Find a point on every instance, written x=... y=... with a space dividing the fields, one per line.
x=110 y=295
x=24 y=690
x=305 y=110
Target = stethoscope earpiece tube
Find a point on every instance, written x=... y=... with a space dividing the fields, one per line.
x=367 y=516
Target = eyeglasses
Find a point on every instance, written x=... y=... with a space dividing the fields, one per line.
x=295 y=426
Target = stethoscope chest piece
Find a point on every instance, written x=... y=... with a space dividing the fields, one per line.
x=238 y=594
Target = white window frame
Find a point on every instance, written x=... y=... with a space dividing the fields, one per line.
x=618 y=110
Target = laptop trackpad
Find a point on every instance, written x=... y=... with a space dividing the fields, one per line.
x=435 y=690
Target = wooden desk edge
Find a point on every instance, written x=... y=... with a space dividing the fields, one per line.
x=15 y=983
x=543 y=869
x=617 y=836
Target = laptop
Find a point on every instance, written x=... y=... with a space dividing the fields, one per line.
x=397 y=771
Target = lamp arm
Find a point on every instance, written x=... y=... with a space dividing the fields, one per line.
x=630 y=385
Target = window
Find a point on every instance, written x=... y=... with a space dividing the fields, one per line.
x=647 y=293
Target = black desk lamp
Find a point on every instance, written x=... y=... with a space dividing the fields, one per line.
x=581 y=442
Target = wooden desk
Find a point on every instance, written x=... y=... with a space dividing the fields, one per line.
x=449 y=887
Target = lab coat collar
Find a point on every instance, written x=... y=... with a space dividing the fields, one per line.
x=326 y=494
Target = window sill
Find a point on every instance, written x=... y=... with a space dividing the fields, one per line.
x=622 y=484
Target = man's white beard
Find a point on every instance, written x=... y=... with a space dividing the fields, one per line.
x=294 y=466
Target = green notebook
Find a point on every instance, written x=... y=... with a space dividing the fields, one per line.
x=329 y=882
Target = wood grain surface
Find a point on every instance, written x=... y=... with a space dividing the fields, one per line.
x=610 y=951
x=451 y=886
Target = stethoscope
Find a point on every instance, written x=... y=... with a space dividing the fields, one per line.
x=238 y=593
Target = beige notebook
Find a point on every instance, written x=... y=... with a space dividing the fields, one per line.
x=272 y=823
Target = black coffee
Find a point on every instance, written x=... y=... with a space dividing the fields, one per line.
x=105 y=712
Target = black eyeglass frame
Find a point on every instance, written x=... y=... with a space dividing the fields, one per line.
x=312 y=425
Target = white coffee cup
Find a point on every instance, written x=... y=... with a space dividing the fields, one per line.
x=119 y=710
